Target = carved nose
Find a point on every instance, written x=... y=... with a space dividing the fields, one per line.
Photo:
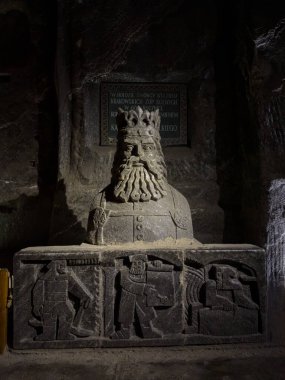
x=137 y=150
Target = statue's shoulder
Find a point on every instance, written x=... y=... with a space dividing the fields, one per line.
x=180 y=202
x=181 y=214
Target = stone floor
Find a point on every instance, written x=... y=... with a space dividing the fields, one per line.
x=243 y=362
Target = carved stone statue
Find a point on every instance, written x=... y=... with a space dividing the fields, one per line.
x=139 y=204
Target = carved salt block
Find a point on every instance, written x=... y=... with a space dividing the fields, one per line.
x=94 y=296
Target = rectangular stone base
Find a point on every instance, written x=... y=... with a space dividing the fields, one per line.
x=91 y=296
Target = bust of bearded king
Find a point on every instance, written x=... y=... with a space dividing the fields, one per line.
x=139 y=204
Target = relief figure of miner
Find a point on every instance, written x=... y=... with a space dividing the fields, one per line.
x=139 y=204
x=134 y=295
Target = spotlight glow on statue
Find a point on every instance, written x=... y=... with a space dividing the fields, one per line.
x=139 y=204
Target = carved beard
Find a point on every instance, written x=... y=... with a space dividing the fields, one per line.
x=140 y=181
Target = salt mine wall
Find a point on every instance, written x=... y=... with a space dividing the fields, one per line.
x=55 y=58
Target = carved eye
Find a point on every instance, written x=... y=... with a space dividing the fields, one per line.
x=129 y=148
x=148 y=147
x=146 y=121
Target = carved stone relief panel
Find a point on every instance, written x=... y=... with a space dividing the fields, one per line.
x=147 y=300
x=221 y=299
x=64 y=295
x=96 y=297
x=59 y=299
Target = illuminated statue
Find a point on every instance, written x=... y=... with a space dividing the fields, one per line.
x=139 y=204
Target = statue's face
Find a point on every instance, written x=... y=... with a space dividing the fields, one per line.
x=140 y=172
x=140 y=147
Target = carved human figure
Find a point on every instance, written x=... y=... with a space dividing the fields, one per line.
x=219 y=300
x=139 y=204
x=227 y=281
x=139 y=296
x=52 y=307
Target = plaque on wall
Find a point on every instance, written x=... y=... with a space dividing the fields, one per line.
x=170 y=99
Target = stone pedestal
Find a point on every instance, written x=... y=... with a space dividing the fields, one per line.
x=91 y=296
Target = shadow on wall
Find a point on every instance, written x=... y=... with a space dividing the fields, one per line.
x=28 y=125
x=24 y=222
x=65 y=228
x=237 y=131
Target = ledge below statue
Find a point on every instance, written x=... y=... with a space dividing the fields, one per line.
x=122 y=296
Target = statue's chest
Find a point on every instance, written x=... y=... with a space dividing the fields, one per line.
x=130 y=222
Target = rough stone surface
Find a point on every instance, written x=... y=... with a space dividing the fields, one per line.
x=276 y=262
x=88 y=296
x=246 y=362
x=229 y=54
x=235 y=110
x=28 y=122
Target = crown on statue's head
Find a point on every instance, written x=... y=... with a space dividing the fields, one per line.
x=138 y=122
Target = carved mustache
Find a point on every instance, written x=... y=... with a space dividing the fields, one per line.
x=135 y=161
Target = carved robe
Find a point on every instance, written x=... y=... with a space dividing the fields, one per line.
x=111 y=222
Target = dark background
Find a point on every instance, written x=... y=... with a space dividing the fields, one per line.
x=55 y=54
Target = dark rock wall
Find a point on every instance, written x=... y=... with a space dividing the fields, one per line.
x=55 y=55
x=28 y=122
x=251 y=169
x=268 y=100
x=138 y=41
